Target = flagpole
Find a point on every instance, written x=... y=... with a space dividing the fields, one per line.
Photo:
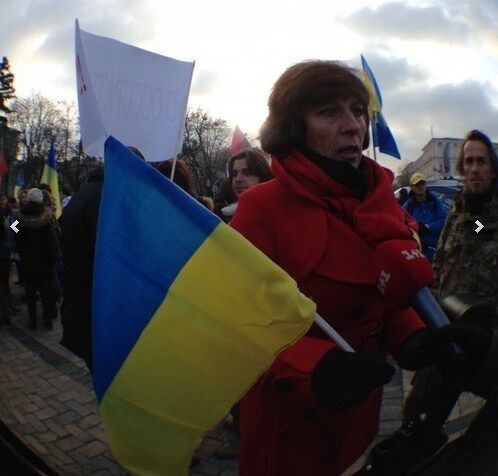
x=332 y=333
x=372 y=136
x=173 y=167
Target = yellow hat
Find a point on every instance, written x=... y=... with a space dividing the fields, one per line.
x=416 y=178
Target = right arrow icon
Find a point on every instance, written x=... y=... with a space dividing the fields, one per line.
x=480 y=226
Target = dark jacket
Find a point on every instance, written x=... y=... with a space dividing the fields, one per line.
x=37 y=240
x=79 y=228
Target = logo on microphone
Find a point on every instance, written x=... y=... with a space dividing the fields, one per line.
x=412 y=254
x=383 y=281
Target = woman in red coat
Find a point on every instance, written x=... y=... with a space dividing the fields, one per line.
x=321 y=218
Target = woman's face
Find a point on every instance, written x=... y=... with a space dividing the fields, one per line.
x=242 y=178
x=337 y=130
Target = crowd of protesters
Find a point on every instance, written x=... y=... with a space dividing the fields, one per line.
x=318 y=207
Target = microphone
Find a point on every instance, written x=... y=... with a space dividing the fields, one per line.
x=404 y=276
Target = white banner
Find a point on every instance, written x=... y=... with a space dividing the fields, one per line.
x=136 y=96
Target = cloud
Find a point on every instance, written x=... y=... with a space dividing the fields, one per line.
x=204 y=83
x=451 y=109
x=51 y=24
x=401 y=21
x=411 y=105
x=394 y=73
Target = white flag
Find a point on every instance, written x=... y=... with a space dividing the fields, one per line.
x=136 y=96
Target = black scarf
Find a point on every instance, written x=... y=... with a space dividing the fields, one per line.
x=354 y=179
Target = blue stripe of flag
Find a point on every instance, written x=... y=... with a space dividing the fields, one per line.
x=143 y=218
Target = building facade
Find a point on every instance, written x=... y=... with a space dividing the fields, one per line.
x=438 y=159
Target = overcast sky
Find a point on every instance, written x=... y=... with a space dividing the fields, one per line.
x=436 y=62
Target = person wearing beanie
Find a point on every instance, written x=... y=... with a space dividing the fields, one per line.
x=39 y=250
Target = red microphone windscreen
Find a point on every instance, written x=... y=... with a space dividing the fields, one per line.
x=402 y=270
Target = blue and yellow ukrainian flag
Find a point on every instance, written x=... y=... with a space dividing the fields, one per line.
x=49 y=177
x=381 y=134
x=186 y=315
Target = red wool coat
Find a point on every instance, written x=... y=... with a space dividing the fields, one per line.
x=317 y=231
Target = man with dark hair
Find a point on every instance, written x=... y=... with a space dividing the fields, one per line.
x=466 y=261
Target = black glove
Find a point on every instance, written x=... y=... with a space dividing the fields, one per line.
x=474 y=341
x=412 y=353
x=433 y=347
x=343 y=379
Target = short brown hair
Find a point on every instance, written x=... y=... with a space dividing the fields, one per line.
x=257 y=163
x=303 y=86
x=182 y=174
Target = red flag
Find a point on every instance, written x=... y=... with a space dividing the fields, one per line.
x=3 y=164
x=239 y=141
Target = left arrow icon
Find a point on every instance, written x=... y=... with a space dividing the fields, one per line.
x=14 y=226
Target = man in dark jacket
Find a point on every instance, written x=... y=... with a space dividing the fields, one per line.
x=79 y=229
x=39 y=249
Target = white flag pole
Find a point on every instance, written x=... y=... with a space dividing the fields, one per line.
x=172 y=175
x=332 y=333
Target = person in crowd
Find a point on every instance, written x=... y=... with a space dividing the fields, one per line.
x=39 y=250
x=6 y=247
x=48 y=199
x=316 y=409
x=429 y=212
x=466 y=262
x=65 y=196
x=402 y=196
x=14 y=206
x=23 y=196
x=78 y=224
x=223 y=197
x=247 y=168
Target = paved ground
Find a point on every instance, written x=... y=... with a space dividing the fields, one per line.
x=47 y=400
